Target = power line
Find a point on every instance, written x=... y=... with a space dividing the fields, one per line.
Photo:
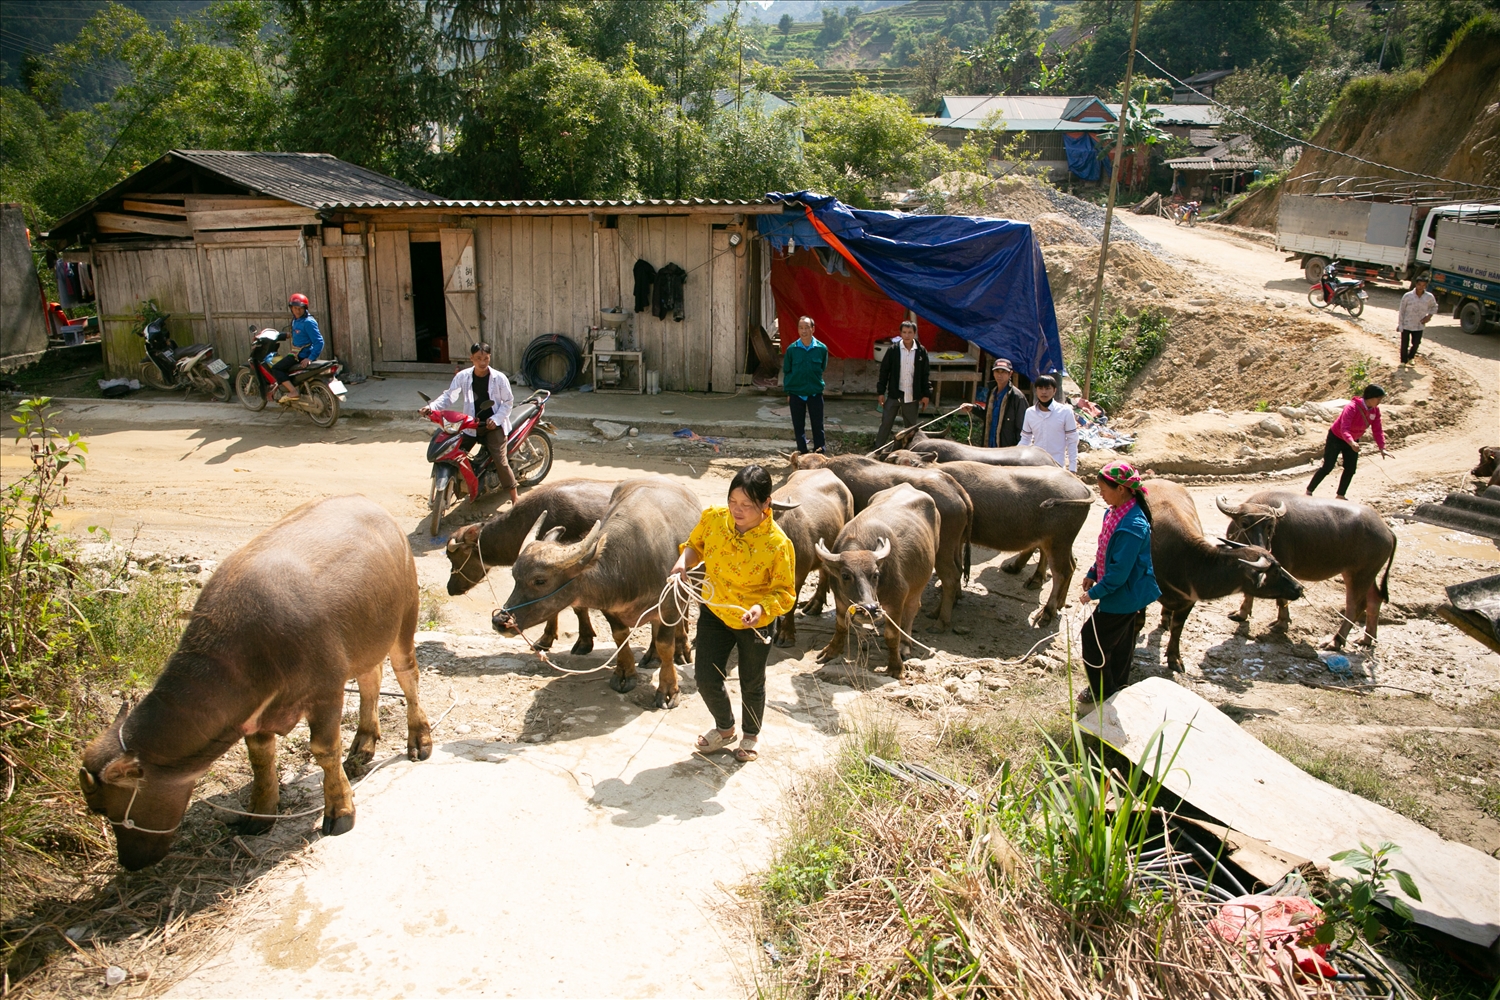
x=1304 y=142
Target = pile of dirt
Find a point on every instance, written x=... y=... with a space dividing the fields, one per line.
x=1257 y=210
x=1052 y=228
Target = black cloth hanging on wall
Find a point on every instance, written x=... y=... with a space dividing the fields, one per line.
x=645 y=277
x=668 y=298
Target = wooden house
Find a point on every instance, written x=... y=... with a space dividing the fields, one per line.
x=402 y=280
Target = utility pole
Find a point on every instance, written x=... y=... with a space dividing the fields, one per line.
x=1109 y=208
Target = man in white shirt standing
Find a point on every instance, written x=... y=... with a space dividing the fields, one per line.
x=903 y=386
x=1051 y=426
x=1417 y=307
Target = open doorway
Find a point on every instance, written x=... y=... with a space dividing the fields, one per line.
x=429 y=311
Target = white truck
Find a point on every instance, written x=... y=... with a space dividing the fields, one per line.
x=1466 y=268
x=1375 y=240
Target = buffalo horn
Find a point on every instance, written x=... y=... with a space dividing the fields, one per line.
x=531 y=536
x=1226 y=508
x=824 y=554
x=582 y=551
x=1261 y=561
x=1279 y=509
x=882 y=549
x=86 y=780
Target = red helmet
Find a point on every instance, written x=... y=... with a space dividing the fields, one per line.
x=298 y=299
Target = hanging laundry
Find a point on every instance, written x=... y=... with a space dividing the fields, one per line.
x=833 y=262
x=68 y=294
x=667 y=297
x=86 y=282
x=645 y=277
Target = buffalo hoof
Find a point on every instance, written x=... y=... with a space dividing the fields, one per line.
x=624 y=685
x=827 y=653
x=895 y=670
x=1235 y=616
x=681 y=657
x=419 y=745
x=1011 y=566
x=334 y=826
x=1034 y=583
x=1333 y=642
x=583 y=646
x=1281 y=625
x=782 y=642
x=1366 y=640
x=545 y=642
x=251 y=827
x=1040 y=617
x=668 y=699
x=650 y=661
x=1175 y=666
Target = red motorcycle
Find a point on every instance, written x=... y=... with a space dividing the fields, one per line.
x=1335 y=291
x=456 y=475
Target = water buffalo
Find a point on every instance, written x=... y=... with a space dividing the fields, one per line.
x=1191 y=568
x=1489 y=465
x=324 y=595
x=880 y=563
x=572 y=504
x=1317 y=539
x=945 y=450
x=1020 y=509
x=810 y=506
x=865 y=477
x=619 y=567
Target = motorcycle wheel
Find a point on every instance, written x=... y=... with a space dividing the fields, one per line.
x=533 y=460
x=1315 y=297
x=217 y=386
x=151 y=375
x=247 y=387
x=438 y=503
x=323 y=408
x=1353 y=303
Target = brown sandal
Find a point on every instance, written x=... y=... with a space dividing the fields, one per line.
x=713 y=741
x=746 y=751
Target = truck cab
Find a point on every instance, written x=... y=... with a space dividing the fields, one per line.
x=1474 y=212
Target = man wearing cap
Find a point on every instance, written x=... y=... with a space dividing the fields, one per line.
x=1004 y=410
x=903 y=385
x=1050 y=425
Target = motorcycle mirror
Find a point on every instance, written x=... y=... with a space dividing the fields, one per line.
x=425 y=398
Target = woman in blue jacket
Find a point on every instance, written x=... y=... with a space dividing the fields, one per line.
x=1121 y=580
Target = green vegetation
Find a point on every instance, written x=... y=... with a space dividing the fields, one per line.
x=1357 y=374
x=1120 y=352
x=72 y=641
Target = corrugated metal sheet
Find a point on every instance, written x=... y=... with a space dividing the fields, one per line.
x=314 y=180
x=544 y=203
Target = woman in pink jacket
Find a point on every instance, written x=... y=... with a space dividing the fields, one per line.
x=1344 y=435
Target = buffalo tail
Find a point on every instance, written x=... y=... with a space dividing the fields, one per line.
x=1385 y=590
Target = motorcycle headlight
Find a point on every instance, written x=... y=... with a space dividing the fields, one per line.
x=453 y=426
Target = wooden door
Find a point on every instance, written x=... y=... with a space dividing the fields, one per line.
x=396 y=327
x=726 y=338
x=460 y=290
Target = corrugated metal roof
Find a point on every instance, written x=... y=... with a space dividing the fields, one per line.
x=543 y=203
x=313 y=180
x=971 y=123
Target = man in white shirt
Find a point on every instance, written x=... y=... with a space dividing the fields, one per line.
x=1417 y=307
x=903 y=386
x=483 y=393
x=1051 y=426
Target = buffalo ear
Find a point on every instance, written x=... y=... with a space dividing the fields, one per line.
x=554 y=534
x=86 y=781
x=123 y=770
x=467 y=535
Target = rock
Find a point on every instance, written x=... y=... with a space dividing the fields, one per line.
x=967 y=693
x=463 y=727
x=1200 y=302
x=1271 y=426
x=1248 y=452
x=852 y=675
x=918 y=695
x=972 y=677
x=114 y=975
x=611 y=430
x=950 y=684
x=1298 y=430
x=536 y=738
x=634 y=432
x=1291 y=412
x=995 y=682
x=1147 y=286
x=1280 y=303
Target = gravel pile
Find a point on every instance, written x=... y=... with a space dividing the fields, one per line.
x=1091 y=217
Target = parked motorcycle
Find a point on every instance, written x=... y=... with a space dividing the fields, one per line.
x=318 y=386
x=1187 y=213
x=1335 y=291
x=167 y=366
x=456 y=475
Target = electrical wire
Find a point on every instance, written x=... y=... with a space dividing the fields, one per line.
x=1304 y=142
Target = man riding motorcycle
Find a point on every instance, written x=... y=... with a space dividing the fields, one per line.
x=307 y=344
x=483 y=393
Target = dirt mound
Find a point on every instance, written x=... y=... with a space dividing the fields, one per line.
x=1054 y=227
x=1018 y=198
x=1257 y=210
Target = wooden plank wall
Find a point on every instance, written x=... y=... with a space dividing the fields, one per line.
x=249 y=285
x=536 y=276
x=125 y=278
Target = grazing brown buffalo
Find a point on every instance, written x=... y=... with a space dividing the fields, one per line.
x=1317 y=539
x=324 y=595
x=1489 y=465
x=1020 y=509
x=620 y=567
x=571 y=504
x=880 y=563
x=945 y=450
x=865 y=477
x=811 y=506
x=1191 y=568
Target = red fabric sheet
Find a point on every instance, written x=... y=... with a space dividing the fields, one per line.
x=850 y=312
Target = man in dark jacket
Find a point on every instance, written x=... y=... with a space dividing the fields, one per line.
x=903 y=386
x=1004 y=410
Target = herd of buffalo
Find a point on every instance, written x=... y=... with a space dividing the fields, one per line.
x=329 y=592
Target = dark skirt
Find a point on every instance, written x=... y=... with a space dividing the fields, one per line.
x=1108 y=649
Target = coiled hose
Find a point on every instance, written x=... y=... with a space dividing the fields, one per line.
x=544 y=347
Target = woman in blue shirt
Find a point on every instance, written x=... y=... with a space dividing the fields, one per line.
x=1121 y=580
x=307 y=344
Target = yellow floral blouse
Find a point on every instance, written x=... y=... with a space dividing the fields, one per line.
x=758 y=567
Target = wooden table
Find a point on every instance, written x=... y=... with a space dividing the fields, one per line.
x=964 y=370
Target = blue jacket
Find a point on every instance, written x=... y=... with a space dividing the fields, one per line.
x=802 y=368
x=1129 y=581
x=307 y=337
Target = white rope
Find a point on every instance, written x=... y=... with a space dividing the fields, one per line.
x=306 y=812
x=945 y=416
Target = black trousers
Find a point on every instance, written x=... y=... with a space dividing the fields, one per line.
x=1332 y=449
x=1108 y=649
x=282 y=369
x=1410 y=341
x=711 y=666
x=812 y=406
x=893 y=406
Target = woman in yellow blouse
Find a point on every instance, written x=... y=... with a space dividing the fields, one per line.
x=750 y=580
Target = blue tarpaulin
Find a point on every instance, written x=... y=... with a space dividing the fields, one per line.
x=982 y=279
x=1083 y=156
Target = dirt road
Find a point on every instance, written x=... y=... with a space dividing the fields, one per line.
x=563 y=840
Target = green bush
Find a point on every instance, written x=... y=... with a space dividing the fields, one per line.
x=1124 y=347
